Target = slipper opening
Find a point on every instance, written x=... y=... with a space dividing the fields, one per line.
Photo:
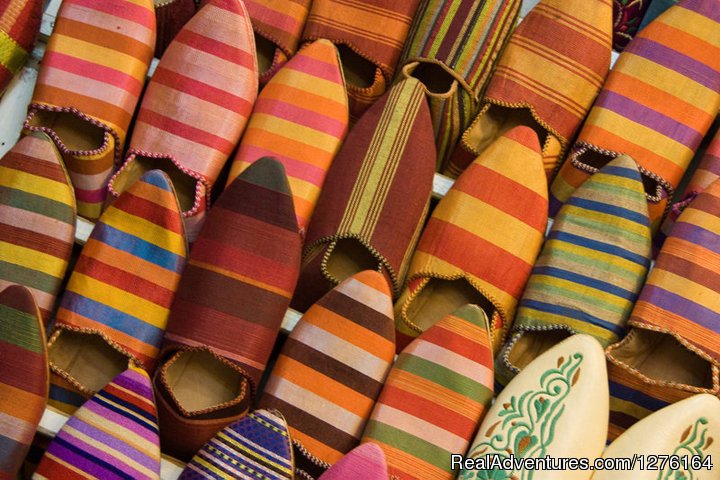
x=185 y=185
x=498 y=120
x=265 y=53
x=436 y=79
x=597 y=160
x=349 y=257
x=75 y=132
x=532 y=343
x=359 y=72
x=86 y=358
x=440 y=297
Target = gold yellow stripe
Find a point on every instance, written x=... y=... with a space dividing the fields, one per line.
x=12 y=55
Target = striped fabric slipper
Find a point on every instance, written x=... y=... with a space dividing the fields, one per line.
x=37 y=219
x=91 y=78
x=434 y=397
x=656 y=106
x=547 y=78
x=707 y=171
x=23 y=376
x=375 y=198
x=117 y=302
x=195 y=107
x=370 y=35
x=591 y=269
x=627 y=17
x=255 y=447
x=229 y=307
x=675 y=341
x=459 y=260
x=278 y=25
x=113 y=435
x=452 y=47
x=366 y=461
x=331 y=369
x=171 y=15
x=301 y=119
x=19 y=25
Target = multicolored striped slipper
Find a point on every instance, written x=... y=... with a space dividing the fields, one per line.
x=366 y=461
x=278 y=26
x=556 y=407
x=195 y=107
x=113 y=435
x=255 y=447
x=627 y=17
x=434 y=397
x=591 y=269
x=117 y=302
x=675 y=340
x=657 y=104
x=171 y=15
x=37 y=219
x=91 y=78
x=19 y=25
x=229 y=307
x=451 y=48
x=685 y=434
x=370 y=36
x=23 y=376
x=547 y=78
x=375 y=198
x=460 y=260
x=301 y=119
x=332 y=368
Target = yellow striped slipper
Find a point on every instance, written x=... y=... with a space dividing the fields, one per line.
x=91 y=78
x=590 y=271
x=37 y=219
x=547 y=78
x=19 y=25
x=481 y=240
x=300 y=118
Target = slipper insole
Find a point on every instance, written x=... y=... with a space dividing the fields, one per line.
x=183 y=183
x=598 y=160
x=441 y=297
x=265 y=53
x=87 y=358
x=77 y=134
x=436 y=79
x=498 y=120
x=533 y=344
x=348 y=258
x=358 y=71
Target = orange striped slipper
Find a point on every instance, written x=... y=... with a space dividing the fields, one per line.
x=375 y=198
x=90 y=81
x=23 y=376
x=19 y=25
x=460 y=260
x=436 y=394
x=196 y=107
x=117 y=302
x=331 y=370
x=370 y=35
x=278 y=26
x=171 y=15
x=675 y=340
x=547 y=78
x=37 y=219
x=657 y=104
x=301 y=119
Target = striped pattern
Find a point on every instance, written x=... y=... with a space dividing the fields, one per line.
x=627 y=16
x=464 y=37
x=37 y=219
x=708 y=170
x=656 y=106
x=374 y=29
x=113 y=435
x=366 y=461
x=332 y=367
x=23 y=376
x=94 y=68
x=300 y=118
x=241 y=273
x=593 y=263
x=197 y=103
x=255 y=447
x=456 y=243
x=435 y=396
x=19 y=24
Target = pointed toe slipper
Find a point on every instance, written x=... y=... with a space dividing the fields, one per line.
x=171 y=16
x=375 y=198
x=454 y=72
x=459 y=260
x=90 y=81
x=627 y=18
x=657 y=104
x=436 y=394
x=301 y=119
x=370 y=36
x=590 y=271
x=366 y=461
x=23 y=376
x=195 y=107
x=673 y=349
x=556 y=407
x=547 y=78
x=331 y=370
x=37 y=219
x=117 y=302
x=113 y=435
x=19 y=25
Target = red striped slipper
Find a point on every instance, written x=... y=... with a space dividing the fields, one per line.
x=171 y=15
x=19 y=25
